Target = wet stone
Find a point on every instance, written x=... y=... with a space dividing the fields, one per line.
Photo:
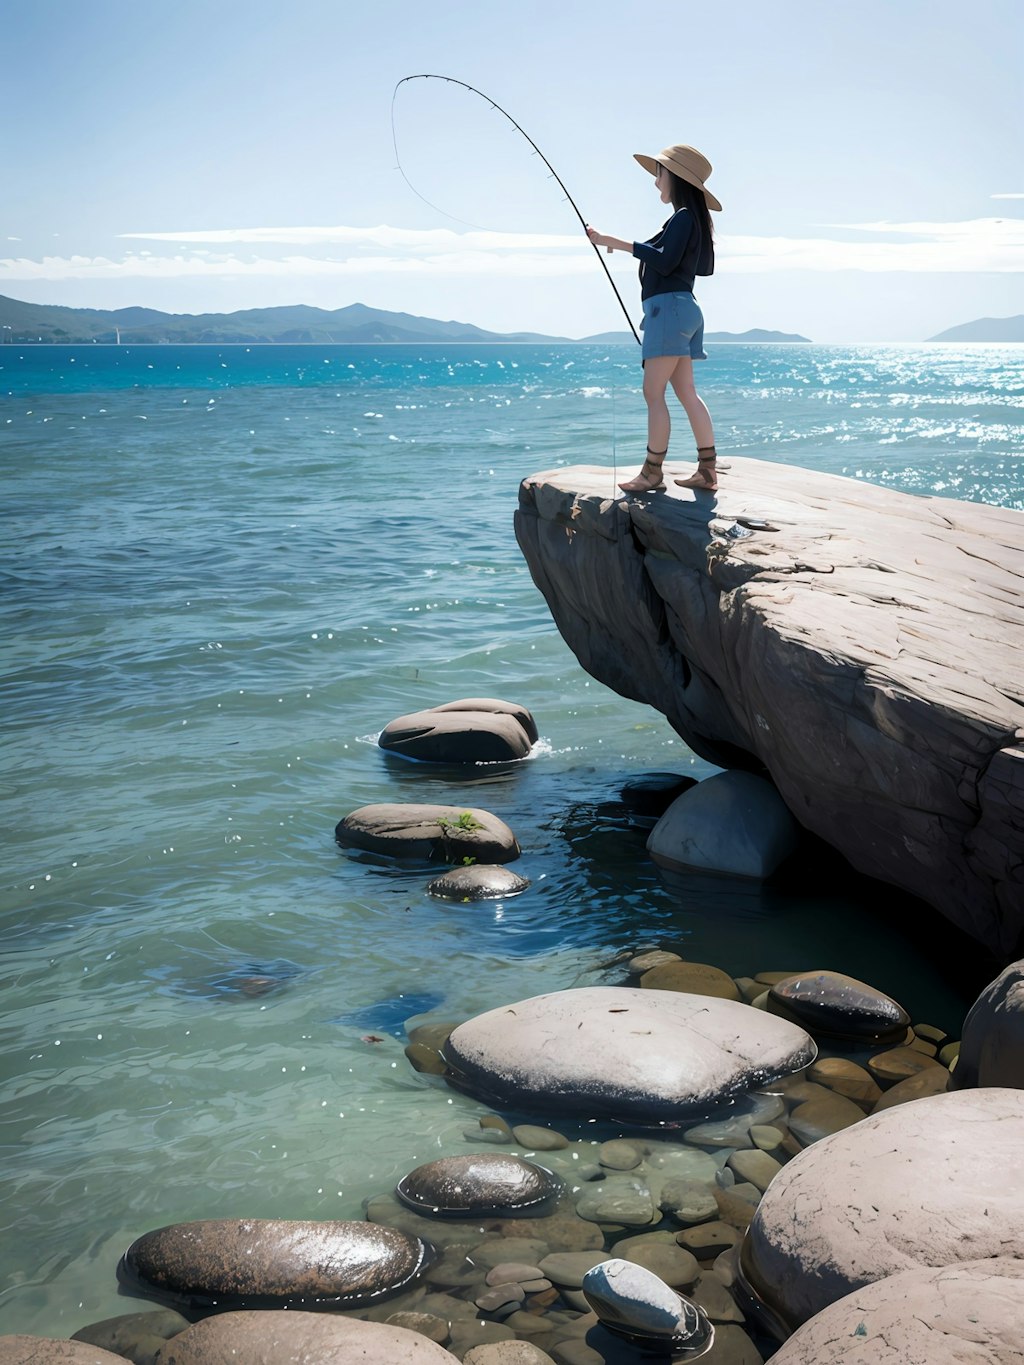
x=272 y=1263
x=662 y=1255
x=845 y=1078
x=497 y=1184
x=472 y=730
x=411 y=831
x=933 y=1080
x=839 y=1006
x=820 y=1118
x=695 y=978
x=898 y=1064
x=645 y=962
x=766 y=1137
x=488 y=882
x=507 y=1271
x=619 y=1155
x=756 y=1167
x=567 y=1268
x=711 y=1294
x=630 y=1299
x=562 y=1231
x=688 y=1201
x=137 y=1336
x=427 y=1325
x=490 y=1300
x=538 y=1138
x=619 y=1199
x=709 y=1240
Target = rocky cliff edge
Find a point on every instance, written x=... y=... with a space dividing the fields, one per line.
x=869 y=653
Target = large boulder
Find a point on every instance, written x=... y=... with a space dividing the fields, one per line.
x=271 y=1338
x=867 y=654
x=992 y=1047
x=473 y=730
x=969 y=1314
x=25 y=1350
x=734 y=823
x=930 y=1183
x=137 y=1336
x=448 y=833
x=264 y=1263
x=623 y=1053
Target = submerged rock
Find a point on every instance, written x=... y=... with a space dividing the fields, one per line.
x=838 y=1005
x=945 y=1316
x=272 y=1338
x=449 y=833
x=930 y=1183
x=734 y=823
x=137 y=1336
x=263 y=1263
x=623 y=1053
x=477 y=883
x=494 y=1184
x=474 y=730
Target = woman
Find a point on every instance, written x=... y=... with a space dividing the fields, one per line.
x=673 y=324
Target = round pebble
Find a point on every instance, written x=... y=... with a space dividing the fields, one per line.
x=839 y=1005
x=538 y=1138
x=483 y=1183
x=482 y=882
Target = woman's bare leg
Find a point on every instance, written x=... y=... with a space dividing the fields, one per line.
x=705 y=475
x=657 y=373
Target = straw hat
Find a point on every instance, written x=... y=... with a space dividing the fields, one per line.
x=687 y=163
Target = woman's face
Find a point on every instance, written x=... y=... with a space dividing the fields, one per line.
x=663 y=184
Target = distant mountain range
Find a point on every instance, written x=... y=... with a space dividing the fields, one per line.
x=985 y=329
x=28 y=323
x=35 y=322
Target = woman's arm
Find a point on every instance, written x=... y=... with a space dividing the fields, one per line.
x=610 y=244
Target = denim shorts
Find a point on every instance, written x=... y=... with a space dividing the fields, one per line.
x=673 y=325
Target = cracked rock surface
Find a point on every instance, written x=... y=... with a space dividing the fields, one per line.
x=868 y=653
x=970 y=1314
x=931 y=1183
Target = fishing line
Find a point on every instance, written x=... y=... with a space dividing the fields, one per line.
x=452 y=80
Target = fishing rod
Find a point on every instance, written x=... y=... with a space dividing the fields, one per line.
x=452 y=80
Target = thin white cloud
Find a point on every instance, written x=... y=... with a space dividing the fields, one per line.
x=383 y=237
x=1007 y=196
x=982 y=245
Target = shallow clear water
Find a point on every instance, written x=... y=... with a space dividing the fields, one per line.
x=224 y=570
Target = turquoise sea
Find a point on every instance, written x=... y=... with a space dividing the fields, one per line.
x=224 y=569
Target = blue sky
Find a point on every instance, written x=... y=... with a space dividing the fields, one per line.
x=223 y=154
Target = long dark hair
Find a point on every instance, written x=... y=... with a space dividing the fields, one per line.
x=687 y=196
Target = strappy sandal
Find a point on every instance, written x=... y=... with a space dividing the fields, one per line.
x=706 y=479
x=645 y=482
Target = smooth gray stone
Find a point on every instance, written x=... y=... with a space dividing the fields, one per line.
x=892 y=618
x=473 y=730
x=424 y=832
x=839 y=1005
x=734 y=823
x=568 y=1267
x=626 y=1295
x=624 y=1052
x=494 y=1184
x=137 y=1336
x=486 y=882
x=619 y=1199
x=263 y=1263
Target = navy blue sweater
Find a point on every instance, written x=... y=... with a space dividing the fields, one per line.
x=672 y=257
